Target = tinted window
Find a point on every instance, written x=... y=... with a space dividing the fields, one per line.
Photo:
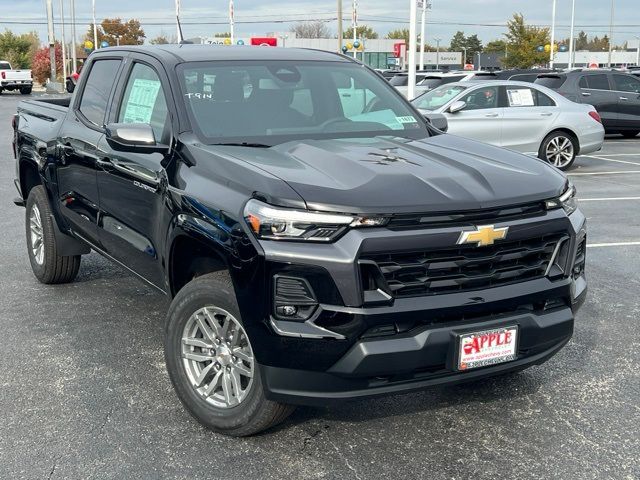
x=144 y=101
x=400 y=81
x=525 y=77
x=544 y=100
x=551 y=82
x=583 y=82
x=597 y=82
x=626 y=83
x=481 y=98
x=102 y=77
x=5 y=66
x=272 y=102
x=438 y=97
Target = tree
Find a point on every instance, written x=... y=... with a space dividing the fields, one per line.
x=363 y=31
x=41 y=65
x=522 y=43
x=403 y=34
x=18 y=49
x=472 y=44
x=582 y=41
x=159 y=40
x=129 y=33
x=311 y=30
x=222 y=35
x=495 y=46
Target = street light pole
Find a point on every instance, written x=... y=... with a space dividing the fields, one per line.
x=571 y=39
x=232 y=22
x=52 y=41
x=638 y=52
x=613 y=6
x=464 y=60
x=438 y=40
x=425 y=6
x=64 y=47
x=413 y=15
x=553 y=36
x=74 y=54
x=340 y=33
x=355 y=27
x=95 y=26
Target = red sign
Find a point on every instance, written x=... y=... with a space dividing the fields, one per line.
x=593 y=65
x=264 y=41
x=469 y=66
x=397 y=49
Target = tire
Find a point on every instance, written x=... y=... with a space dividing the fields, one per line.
x=26 y=90
x=47 y=265
x=564 y=144
x=211 y=298
x=70 y=86
x=630 y=133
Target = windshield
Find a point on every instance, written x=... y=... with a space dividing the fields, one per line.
x=438 y=97
x=272 y=102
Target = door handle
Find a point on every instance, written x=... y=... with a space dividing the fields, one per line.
x=624 y=98
x=491 y=115
x=104 y=161
x=586 y=94
x=546 y=114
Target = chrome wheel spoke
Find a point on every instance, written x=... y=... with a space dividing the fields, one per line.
x=203 y=374
x=205 y=329
x=242 y=370
x=242 y=356
x=37 y=236
x=215 y=382
x=197 y=342
x=197 y=357
x=237 y=385
x=227 y=389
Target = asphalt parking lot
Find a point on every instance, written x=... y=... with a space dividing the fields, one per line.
x=84 y=392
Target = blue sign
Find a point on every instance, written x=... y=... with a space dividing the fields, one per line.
x=564 y=48
x=104 y=44
x=240 y=42
x=540 y=48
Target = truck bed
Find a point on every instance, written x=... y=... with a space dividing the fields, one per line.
x=45 y=116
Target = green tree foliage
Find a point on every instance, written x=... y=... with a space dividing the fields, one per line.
x=523 y=40
x=18 y=50
x=222 y=35
x=472 y=43
x=495 y=46
x=582 y=41
x=363 y=31
x=130 y=32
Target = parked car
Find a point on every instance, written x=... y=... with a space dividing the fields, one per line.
x=11 y=79
x=519 y=116
x=318 y=247
x=388 y=74
x=528 y=75
x=615 y=94
x=401 y=79
x=433 y=80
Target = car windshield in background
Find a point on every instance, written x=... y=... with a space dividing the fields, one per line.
x=272 y=102
x=5 y=66
x=550 y=81
x=438 y=97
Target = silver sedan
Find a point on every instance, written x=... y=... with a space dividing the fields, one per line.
x=519 y=116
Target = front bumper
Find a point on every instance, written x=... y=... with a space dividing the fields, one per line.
x=300 y=367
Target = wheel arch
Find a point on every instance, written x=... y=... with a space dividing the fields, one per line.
x=566 y=130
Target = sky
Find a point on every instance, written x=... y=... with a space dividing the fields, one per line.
x=486 y=18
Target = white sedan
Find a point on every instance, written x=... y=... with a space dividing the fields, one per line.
x=520 y=116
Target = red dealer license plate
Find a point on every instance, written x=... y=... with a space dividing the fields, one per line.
x=489 y=347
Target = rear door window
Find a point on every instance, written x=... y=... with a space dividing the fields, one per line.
x=95 y=97
x=481 y=98
x=597 y=82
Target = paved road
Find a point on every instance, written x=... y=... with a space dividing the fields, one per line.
x=84 y=392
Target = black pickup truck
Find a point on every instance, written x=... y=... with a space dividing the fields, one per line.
x=320 y=240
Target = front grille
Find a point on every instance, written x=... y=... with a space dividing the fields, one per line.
x=463 y=268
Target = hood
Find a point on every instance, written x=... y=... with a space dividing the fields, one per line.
x=443 y=173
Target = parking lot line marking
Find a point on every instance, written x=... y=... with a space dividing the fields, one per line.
x=607 y=199
x=612 y=160
x=604 y=173
x=616 y=155
x=618 y=244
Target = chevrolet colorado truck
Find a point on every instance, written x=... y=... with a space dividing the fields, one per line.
x=319 y=239
x=15 y=79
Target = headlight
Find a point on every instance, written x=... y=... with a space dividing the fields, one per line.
x=567 y=200
x=274 y=223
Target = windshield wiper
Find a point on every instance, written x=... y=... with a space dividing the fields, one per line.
x=243 y=144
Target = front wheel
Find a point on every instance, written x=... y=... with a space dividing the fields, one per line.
x=559 y=149
x=47 y=265
x=211 y=363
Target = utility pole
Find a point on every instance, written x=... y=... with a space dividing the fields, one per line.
x=571 y=36
x=232 y=23
x=52 y=41
x=178 y=30
x=464 y=59
x=413 y=15
x=553 y=36
x=438 y=40
x=613 y=6
x=64 y=47
x=425 y=5
x=95 y=26
x=340 y=39
x=638 y=51
x=74 y=54
x=355 y=27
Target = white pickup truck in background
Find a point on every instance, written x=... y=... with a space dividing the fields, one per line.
x=15 y=79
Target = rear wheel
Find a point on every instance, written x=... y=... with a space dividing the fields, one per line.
x=630 y=133
x=25 y=90
x=211 y=362
x=47 y=265
x=559 y=149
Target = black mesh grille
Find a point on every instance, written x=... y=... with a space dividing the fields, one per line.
x=464 y=268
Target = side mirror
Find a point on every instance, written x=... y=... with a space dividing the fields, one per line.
x=437 y=120
x=457 y=106
x=133 y=137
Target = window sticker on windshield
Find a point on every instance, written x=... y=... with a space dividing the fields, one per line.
x=408 y=119
x=521 y=97
x=141 y=101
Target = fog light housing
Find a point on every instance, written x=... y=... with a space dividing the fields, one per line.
x=293 y=298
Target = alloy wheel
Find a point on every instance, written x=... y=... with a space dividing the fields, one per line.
x=37 y=238
x=559 y=151
x=217 y=357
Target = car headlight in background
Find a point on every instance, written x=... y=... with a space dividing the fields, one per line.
x=567 y=200
x=275 y=223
